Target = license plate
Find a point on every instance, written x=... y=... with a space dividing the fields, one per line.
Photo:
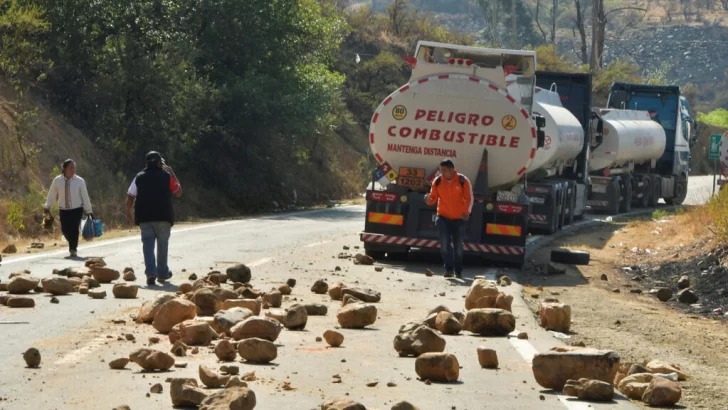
x=537 y=200
x=507 y=196
x=413 y=183
x=599 y=189
x=412 y=172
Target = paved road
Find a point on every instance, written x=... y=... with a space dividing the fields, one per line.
x=77 y=337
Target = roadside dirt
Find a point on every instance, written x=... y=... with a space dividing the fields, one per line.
x=610 y=314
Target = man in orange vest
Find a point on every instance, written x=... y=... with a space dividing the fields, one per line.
x=453 y=194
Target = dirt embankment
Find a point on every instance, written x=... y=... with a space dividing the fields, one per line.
x=613 y=308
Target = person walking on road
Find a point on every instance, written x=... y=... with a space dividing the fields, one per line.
x=150 y=194
x=453 y=194
x=69 y=191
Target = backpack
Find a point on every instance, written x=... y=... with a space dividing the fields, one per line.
x=462 y=180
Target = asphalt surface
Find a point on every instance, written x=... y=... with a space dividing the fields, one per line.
x=77 y=337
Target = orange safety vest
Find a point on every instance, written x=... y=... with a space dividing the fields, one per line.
x=454 y=197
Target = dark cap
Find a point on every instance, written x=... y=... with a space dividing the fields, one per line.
x=152 y=157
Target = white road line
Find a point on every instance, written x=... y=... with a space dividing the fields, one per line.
x=313 y=245
x=78 y=354
x=258 y=262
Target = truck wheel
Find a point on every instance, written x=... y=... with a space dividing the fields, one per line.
x=616 y=200
x=655 y=193
x=646 y=193
x=626 y=203
x=570 y=257
x=572 y=206
x=681 y=192
x=375 y=254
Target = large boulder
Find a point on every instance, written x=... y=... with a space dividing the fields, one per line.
x=104 y=275
x=658 y=366
x=342 y=404
x=22 y=284
x=174 y=312
x=590 y=390
x=490 y=322
x=415 y=339
x=238 y=273
x=296 y=317
x=125 y=291
x=555 y=316
x=437 y=367
x=150 y=308
x=224 y=294
x=365 y=295
x=231 y=398
x=257 y=327
x=553 y=368
x=224 y=320
x=687 y=296
x=225 y=351
x=447 y=324
x=211 y=378
x=206 y=301
x=150 y=359
x=20 y=302
x=480 y=288
x=320 y=287
x=196 y=333
x=257 y=350
x=57 y=286
x=357 y=316
x=488 y=358
x=635 y=385
x=274 y=298
x=255 y=305
x=186 y=393
x=662 y=393
x=335 y=291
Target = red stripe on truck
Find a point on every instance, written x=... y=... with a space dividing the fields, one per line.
x=521 y=171
x=533 y=132
x=371 y=139
x=376 y=116
x=533 y=150
x=403 y=89
x=524 y=112
x=475 y=79
x=493 y=87
x=423 y=80
x=444 y=76
x=379 y=158
x=388 y=100
x=511 y=99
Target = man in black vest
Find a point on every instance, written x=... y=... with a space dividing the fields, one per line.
x=150 y=194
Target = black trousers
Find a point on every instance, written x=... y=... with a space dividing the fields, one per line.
x=70 y=226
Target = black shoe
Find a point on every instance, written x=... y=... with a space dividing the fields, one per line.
x=449 y=274
x=151 y=280
x=162 y=280
x=458 y=275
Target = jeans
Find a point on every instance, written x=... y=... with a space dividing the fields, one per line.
x=70 y=225
x=451 y=243
x=156 y=232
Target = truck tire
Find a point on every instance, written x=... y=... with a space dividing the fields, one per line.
x=570 y=257
x=572 y=206
x=644 y=202
x=655 y=193
x=616 y=200
x=626 y=203
x=377 y=255
x=681 y=192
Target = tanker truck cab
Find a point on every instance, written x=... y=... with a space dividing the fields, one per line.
x=666 y=175
x=474 y=106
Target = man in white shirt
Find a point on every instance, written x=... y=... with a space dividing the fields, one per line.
x=69 y=191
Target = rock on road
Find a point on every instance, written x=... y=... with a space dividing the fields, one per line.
x=77 y=338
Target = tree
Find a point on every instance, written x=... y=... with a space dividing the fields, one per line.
x=398 y=13
x=599 y=24
x=579 y=22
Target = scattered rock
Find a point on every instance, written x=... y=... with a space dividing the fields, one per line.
x=365 y=295
x=230 y=369
x=663 y=294
x=179 y=349
x=118 y=364
x=95 y=262
x=504 y=281
x=192 y=277
x=342 y=404
x=32 y=357
x=479 y=289
x=591 y=390
x=291 y=282
x=54 y=300
x=125 y=291
x=206 y=301
x=285 y=289
x=97 y=294
x=333 y=338
x=490 y=322
x=604 y=277
x=415 y=339
x=296 y=317
x=687 y=296
x=553 y=368
x=104 y=275
x=348 y=299
x=683 y=282
x=254 y=305
x=316 y=309
x=156 y=389
x=257 y=327
x=129 y=276
x=429 y=273
x=357 y=316
x=522 y=336
x=335 y=291
x=232 y=398
x=185 y=392
x=555 y=316
x=379 y=269
x=552 y=268
x=320 y=287
x=57 y=286
x=150 y=308
x=257 y=350
x=439 y=367
x=172 y=313
x=225 y=351
x=10 y=249
x=212 y=379
x=360 y=259
x=404 y=405
x=274 y=298
x=150 y=359
x=235 y=382
x=658 y=366
x=239 y=273
x=196 y=333
x=488 y=358
x=20 y=302
x=637 y=368
x=635 y=385
x=447 y=324
x=185 y=288
x=662 y=393
x=225 y=320
x=22 y=284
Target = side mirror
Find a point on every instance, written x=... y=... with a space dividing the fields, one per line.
x=540 y=133
x=540 y=138
x=540 y=121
